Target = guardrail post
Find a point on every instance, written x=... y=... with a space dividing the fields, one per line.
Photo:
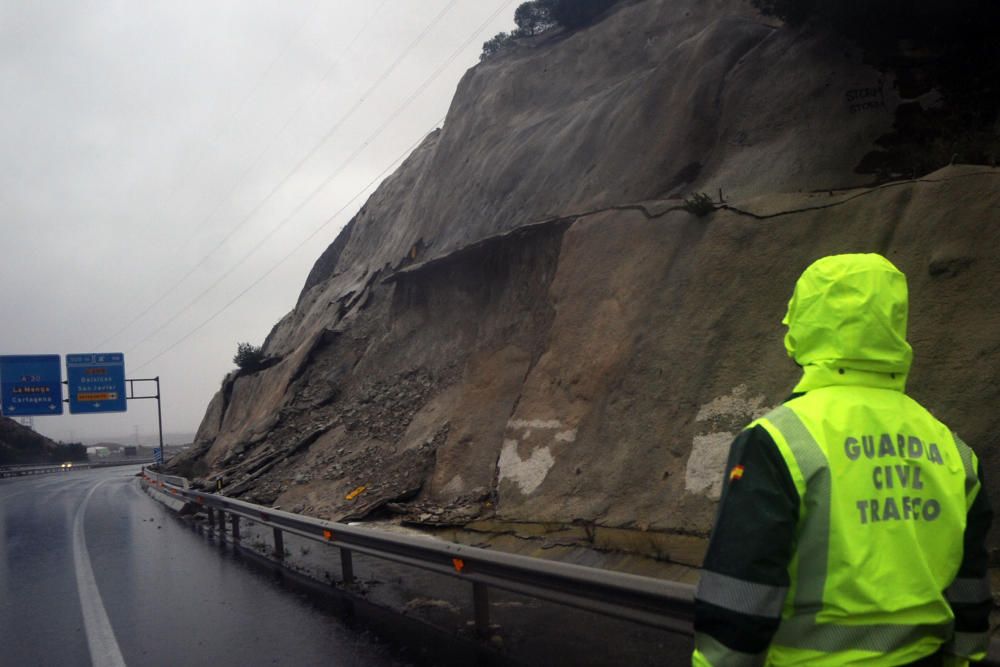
x=347 y=565
x=236 y=527
x=279 y=544
x=222 y=527
x=481 y=604
x=211 y=519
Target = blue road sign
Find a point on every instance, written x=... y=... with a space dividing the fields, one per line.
x=30 y=385
x=96 y=382
x=157 y=455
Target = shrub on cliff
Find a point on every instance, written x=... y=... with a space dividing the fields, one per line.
x=699 y=205
x=248 y=357
x=496 y=43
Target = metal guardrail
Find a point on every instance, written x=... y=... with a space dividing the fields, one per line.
x=119 y=462
x=654 y=602
x=177 y=481
x=22 y=470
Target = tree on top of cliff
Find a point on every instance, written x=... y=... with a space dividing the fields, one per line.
x=537 y=16
x=532 y=18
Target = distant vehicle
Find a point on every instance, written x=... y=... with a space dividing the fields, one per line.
x=99 y=452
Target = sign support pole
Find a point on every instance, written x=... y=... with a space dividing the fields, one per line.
x=159 y=418
x=159 y=409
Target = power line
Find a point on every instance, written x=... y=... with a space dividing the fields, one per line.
x=241 y=178
x=319 y=188
x=236 y=110
x=294 y=250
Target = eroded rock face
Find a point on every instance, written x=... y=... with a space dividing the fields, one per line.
x=522 y=325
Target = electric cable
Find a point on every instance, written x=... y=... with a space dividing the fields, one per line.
x=319 y=188
x=239 y=181
x=294 y=250
x=237 y=109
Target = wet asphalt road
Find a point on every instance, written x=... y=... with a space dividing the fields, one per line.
x=92 y=571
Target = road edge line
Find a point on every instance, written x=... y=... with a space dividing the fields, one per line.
x=104 y=651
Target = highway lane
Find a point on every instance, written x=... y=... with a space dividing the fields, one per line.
x=94 y=572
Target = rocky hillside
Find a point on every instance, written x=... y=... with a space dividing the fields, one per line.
x=524 y=330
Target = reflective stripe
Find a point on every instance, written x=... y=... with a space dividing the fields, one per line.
x=744 y=597
x=720 y=655
x=814 y=540
x=971 y=478
x=970 y=644
x=969 y=590
x=803 y=632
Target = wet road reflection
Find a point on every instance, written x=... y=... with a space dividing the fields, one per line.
x=170 y=598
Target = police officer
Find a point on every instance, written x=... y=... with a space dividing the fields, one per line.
x=852 y=524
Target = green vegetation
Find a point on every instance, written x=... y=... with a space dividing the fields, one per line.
x=537 y=16
x=496 y=44
x=248 y=357
x=699 y=205
x=532 y=18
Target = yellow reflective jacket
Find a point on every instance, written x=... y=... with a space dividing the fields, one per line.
x=859 y=499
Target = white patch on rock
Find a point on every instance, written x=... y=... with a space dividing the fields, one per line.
x=566 y=436
x=528 y=473
x=736 y=403
x=707 y=464
x=534 y=423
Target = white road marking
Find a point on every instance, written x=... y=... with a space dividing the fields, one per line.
x=104 y=651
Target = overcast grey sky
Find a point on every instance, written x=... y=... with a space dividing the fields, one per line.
x=147 y=141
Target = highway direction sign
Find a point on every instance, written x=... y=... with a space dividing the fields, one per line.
x=96 y=382
x=30 y=385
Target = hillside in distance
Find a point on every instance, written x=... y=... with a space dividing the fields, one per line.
x=19 y=445
x=524 y=330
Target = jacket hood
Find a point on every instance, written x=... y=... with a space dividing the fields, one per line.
x=847 y=323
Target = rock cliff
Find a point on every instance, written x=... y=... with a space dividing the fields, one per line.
x=523 y=326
